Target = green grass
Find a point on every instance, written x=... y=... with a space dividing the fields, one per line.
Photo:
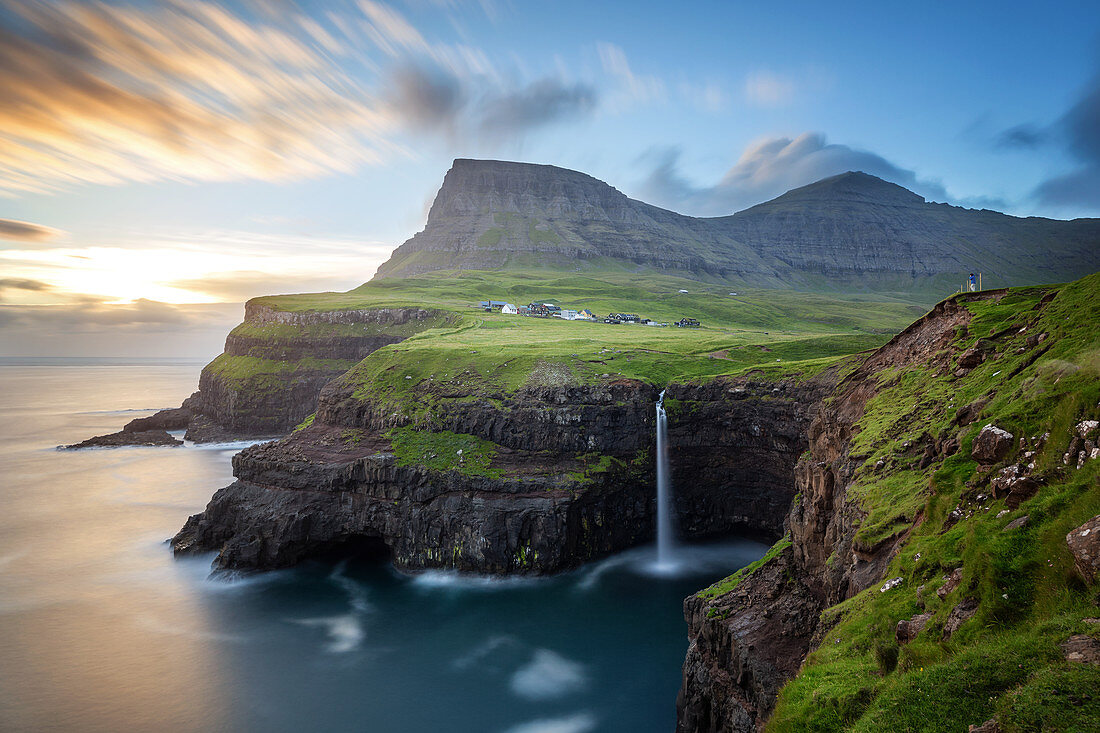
x=444 y=451
x=1005 y=660
x=727 y=585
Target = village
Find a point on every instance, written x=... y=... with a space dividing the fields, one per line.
x=549 y=310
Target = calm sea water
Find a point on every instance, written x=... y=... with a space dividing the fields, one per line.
x=102 y=630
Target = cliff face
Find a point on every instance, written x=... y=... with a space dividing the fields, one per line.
x=852 y=230
x=746 y=642
x=902 y=481
x=275 y=364
x=567 y=477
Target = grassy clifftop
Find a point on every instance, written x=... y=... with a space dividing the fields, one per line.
x=985 y=578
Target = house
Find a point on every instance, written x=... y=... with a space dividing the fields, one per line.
x=688 y=323
x=568 y=315
x=586 y=315
x=492 y=305
x=509 y=309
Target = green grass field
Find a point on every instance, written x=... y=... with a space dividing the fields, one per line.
x=782 y=332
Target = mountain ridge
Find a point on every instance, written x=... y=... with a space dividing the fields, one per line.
x=850 y=231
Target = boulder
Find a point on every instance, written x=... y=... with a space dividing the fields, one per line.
x=907 y=629
x=1084 y=544
x=971 y=358
x=1016 y=523
x=969 y=413
x=951 y=582
x=1087 y=428
x=1081 y=648
x=959 y=615
x=992 y=444
x=989 y=726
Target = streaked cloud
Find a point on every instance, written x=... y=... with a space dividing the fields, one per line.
x=476 y=109
x=245 y=284
x=100 y=93
x=24 y=284
x=90 y=327
x=768 y=168
x=1079 y=131
x=194 y=266
x=630 y=87
x=25 y=231
x=768 y=89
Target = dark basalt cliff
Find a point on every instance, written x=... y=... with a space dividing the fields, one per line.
x=745 y=643
x=273 y=368
x=852 y=230
x=541 y=507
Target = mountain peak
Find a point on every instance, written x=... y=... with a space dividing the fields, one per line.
x=851 y=187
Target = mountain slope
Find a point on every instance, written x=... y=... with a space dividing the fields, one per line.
x=848 y=231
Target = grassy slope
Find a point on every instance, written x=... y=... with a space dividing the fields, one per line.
x=1005 y=660
x=771 y=329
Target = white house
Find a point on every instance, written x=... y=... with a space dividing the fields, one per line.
x=509 y=309
x=569 y=315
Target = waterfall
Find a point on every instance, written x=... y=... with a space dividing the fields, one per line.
x=664 y=489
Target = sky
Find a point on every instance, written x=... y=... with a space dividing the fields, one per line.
x=162 y=162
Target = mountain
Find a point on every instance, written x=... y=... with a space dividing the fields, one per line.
x=852 y=231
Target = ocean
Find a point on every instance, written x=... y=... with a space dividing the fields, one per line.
x=101 y=629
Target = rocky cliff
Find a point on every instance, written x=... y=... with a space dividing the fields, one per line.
x=538 y=480
x=912 y=518
x=849 y=231
x=272 y=370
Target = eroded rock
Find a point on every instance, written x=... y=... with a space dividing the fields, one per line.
x=1084 y=543
x=992 y=444
x=127 y=438
x=1081 y=648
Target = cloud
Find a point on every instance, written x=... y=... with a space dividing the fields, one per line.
x=245 y=284
x=89 y=327
x=474 y=107
x=540 y=103
x=632 y=88
x=1022 y=136
x=768 y=89
x=108 y=93
x=19 y=283
x=768 y=168
x=24 y=231
x=1079 y=130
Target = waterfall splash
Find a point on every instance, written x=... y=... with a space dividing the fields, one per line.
x=665 y=529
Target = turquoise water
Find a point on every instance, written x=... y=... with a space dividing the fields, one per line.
x=102 y=630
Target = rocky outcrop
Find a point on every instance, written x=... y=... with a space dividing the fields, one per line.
x=540 y=507
x=127 y=438
x=852 y=230
x=746 y=643
x=274 y=366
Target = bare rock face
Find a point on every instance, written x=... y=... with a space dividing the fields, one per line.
x=852 y=229
x=992 y=444
x=1084 y=543
x=735 y=442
